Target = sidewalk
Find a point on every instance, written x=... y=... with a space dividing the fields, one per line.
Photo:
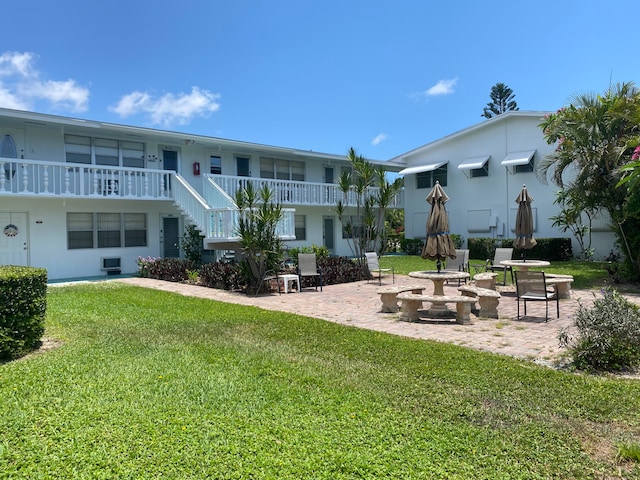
x=357 y=304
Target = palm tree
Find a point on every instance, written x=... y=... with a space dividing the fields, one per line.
x=502 y=100
x=593 y=144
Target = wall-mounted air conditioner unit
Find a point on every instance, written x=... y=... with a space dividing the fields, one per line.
x=111 y=265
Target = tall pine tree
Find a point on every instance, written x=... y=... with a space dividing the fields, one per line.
x=502 y=100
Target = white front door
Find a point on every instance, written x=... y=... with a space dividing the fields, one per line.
x=14 y=244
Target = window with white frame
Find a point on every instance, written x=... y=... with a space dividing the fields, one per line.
x=108 y=226
x=106 y=230
x=106 y=152
x=103 y=151
x=281 y=169
x=301 y=227
x=78 y=149
x=79 y=230
x=428 y=179
x=132 y=154
x=135 y=230
x=216 y=164
x=483 y=171
x=525 y=168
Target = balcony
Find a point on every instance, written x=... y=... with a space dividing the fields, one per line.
x=222 y=234
x=294 y=193
x=59 y=179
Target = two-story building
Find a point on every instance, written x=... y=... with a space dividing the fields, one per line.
x=82 y=198
x=482 y=169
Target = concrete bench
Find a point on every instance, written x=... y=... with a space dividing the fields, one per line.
x=485 y=280
x=412 y=302
x=389 y=295
x=562 y=283
x=487 y=299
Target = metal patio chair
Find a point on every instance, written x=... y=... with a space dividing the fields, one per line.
x=373 y=264
x=307 y=267
x=532 y=287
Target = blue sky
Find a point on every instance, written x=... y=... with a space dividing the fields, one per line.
x=322 y=75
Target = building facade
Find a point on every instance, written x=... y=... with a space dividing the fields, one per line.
x=482 y=169
x=84 y=198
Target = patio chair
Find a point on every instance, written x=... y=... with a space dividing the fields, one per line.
x=532 y=286
x=261 y=279
x=500 y=255
x=307 y=267
x=458 y=264
x=373 y=264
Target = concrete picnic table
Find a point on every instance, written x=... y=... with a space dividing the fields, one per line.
x=438 y=279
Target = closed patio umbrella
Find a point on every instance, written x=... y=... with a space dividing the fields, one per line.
x=524 y=221
x=439 y=244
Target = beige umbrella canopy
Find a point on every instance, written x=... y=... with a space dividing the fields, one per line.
x=524 y=221
x=439 y=244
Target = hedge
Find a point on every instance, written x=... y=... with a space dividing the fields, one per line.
x=24 y=303
x=550 y=249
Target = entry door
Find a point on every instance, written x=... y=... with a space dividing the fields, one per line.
x=330 y=189
x=242 y=167
x=14 y=243
x=170 y=237
x=328 y=174
x=169 y=162
x=328 y=234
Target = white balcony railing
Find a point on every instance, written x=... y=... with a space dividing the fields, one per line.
x=296 y=193
x=223 y=224
x=35 y=177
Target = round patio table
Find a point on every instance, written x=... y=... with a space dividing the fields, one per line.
x=438 y=279
x=525 y=265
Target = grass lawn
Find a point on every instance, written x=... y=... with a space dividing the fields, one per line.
x=585 y=274
x=150 y=384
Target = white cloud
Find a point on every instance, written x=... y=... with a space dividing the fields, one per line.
x=379 y=139
x=169 y=109
x=443 y=87
x=21 y=86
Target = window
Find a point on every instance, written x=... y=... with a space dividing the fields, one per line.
x=135 y=230
x=133 y=154
x=79 y=230
x=475 y=166
x=428 y=179
x=281 y=169
x=267 y=168
x=106 y=230
x=527 y=167
x=78 y=149
x=480 y=172
x=242 y=166
x=106 y=152
x=216 y=165
x=520 y=162
x=103 y=151
x=301 y=227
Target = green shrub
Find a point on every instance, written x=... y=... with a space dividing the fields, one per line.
x=222 y=275
x=170 y=269
x=23 y=291
x=550 y=249
x=412 y=246
x=608 y=334
x=321 y=252
x=458 y=240
x=191 y=245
